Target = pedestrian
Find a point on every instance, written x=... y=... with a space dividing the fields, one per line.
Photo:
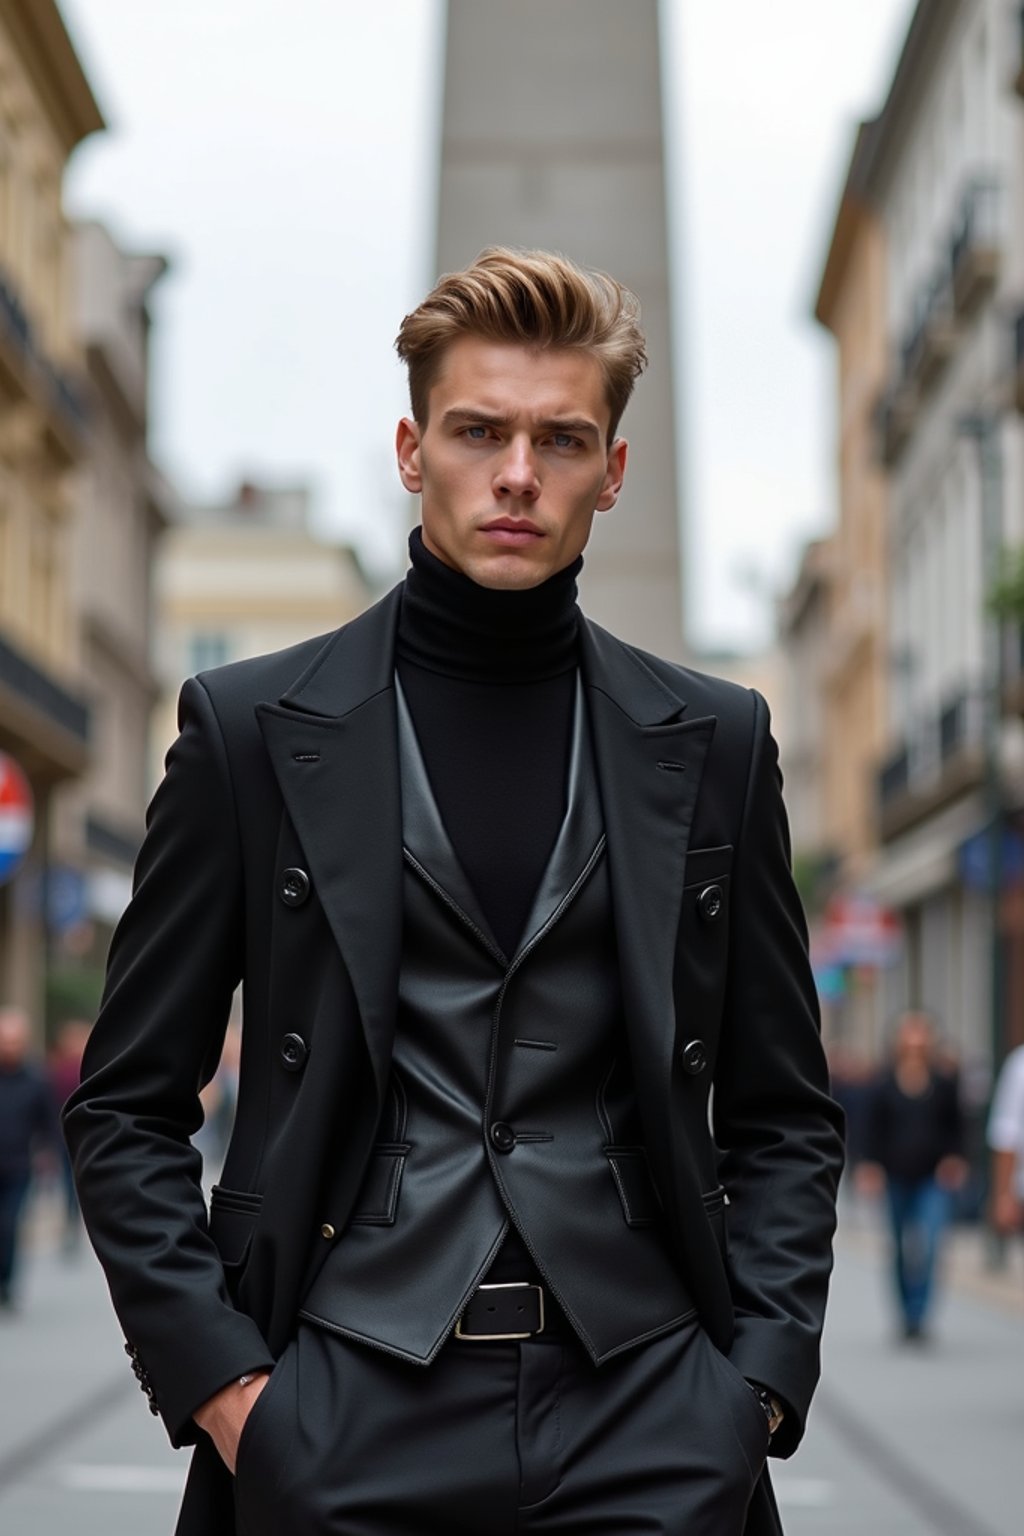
x=64 y=1069
x=507 y=897
x=27 y=1129
x=1006 y=1142
x=914 y=1142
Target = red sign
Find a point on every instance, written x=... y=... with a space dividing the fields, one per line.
x=16 y=816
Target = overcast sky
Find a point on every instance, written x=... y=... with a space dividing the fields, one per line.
x=284 y=158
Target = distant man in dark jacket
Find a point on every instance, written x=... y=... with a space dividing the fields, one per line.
x=914 y=1147
x=27 y=1121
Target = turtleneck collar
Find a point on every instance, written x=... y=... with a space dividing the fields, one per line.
x=451 y=625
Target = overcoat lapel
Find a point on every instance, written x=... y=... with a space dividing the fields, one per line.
x=650 y=760
x=333 y=743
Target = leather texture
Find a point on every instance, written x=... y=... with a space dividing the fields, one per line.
x=291 y=761
x=510 y=1100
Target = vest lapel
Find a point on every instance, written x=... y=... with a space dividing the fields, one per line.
x=333 y=743
x=578 y=835
x=426 y=838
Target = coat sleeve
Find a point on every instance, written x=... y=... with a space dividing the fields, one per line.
x=174 y=964
x=779 y=1132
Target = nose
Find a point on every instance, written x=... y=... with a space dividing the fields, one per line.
x=516 y=474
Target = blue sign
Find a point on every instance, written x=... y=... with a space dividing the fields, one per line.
x=976 y=859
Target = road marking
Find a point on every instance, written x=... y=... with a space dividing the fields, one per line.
x=942 y=1513
x=75 y=1419
x=804 y=1492
x=88 y=1478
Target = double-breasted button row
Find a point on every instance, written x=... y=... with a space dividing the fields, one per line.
x=294 y=1051
x=710 y=903
x=294 y=888
x=694 y=1057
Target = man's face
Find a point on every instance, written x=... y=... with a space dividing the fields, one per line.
x=14 y=1038
x=513 y=461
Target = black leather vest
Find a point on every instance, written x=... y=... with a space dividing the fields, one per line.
x=510 y=1099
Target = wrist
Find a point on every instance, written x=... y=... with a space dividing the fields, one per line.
x=774 y=1412
x=207 y=1412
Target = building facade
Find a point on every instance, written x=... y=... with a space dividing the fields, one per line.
x=923 y=276
x=121 y=508
x=46 y=109
x=562 y=148
x=240 y=578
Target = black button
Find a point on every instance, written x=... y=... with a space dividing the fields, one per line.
x=294 y=1051
x=694 y=1057
x=295 y=887
x=709 y=903
x=503 y=1137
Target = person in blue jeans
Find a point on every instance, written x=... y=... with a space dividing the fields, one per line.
x=28 y=1121
x=913 y=1145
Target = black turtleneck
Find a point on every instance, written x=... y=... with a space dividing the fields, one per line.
x=489 y=679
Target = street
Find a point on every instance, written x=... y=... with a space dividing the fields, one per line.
x=903 y=1441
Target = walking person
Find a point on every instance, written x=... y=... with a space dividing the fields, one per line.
x=914 y=1145
x=507 y=897
x=28 y=1127
x=1006 y=1143
x=64 y=1070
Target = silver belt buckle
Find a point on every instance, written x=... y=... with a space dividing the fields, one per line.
x=508 y=1285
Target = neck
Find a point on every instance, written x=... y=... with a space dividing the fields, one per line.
x=451 y=625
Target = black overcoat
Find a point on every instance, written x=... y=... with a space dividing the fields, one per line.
x=290 y=762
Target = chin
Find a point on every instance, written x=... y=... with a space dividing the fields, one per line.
x=507 y=574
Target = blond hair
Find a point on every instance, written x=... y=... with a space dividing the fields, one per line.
x=528 y=298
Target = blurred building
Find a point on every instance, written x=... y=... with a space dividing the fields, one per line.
x=46 y=108
x=803 y=623
x=240 y=578
x=923 y=271
x=553 y=138
x=121 y=508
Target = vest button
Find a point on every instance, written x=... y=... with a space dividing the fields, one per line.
x=709 y=903
x=294 y=888
x=294 y=1051
x=694 y=1057
x=327 y=1231
x=503 y=1137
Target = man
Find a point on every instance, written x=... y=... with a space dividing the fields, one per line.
x=506 y=897
x=28 y=1125
x=1006 y=1143
x=914 y=1146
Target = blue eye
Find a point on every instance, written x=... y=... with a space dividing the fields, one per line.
x=563 y=440
x=476 y=433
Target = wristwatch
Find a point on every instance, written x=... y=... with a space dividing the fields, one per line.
x=773 y=1409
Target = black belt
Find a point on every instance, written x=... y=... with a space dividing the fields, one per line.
x=513 y=1310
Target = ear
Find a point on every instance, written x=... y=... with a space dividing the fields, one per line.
x=613 y=476
x=407 y=450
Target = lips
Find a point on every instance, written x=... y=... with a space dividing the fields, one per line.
x=512 y=530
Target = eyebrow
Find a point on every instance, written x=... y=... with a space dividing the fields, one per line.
x=461 y=415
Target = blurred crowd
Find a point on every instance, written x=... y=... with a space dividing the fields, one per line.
x=920 y=1143
x=33 y=1158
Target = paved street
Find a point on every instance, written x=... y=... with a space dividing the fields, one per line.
x=904 y=1441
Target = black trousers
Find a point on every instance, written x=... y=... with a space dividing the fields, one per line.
x=501 y=1439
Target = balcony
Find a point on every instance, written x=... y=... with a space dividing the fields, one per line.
x=28 y=375
x=932 y=337
x=894 y=420
x=976 y=251
x=941 y=759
